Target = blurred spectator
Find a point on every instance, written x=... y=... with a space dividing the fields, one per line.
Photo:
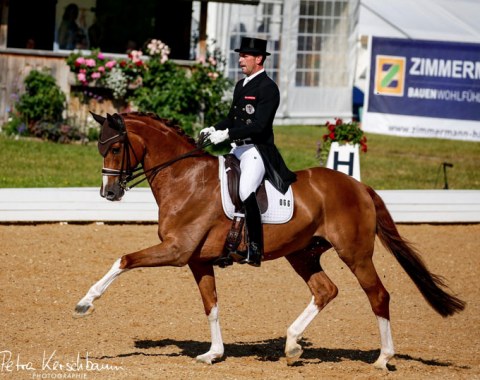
x=70 y=34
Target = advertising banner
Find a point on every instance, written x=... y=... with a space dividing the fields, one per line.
x=423 y=89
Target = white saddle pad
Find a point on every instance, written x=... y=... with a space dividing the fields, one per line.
x=280 y=207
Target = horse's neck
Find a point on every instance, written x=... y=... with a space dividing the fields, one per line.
x=162 y=153
x=172 y=155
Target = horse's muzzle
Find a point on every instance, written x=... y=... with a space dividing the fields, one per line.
x=112 y=192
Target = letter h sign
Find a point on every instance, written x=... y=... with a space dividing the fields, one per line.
x=345 y=158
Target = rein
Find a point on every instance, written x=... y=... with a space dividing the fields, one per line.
x=152 y=172
x=133 y=174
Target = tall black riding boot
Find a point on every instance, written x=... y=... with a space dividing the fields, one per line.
x=253 y=220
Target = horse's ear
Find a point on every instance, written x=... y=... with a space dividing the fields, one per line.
x=112 y=122
x=99 y=119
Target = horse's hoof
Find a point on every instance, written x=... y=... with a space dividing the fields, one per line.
x=202 y=359
x=83 y=310
x=208 y=358
x=294 y=354
x=382 y=361
x=380 y=364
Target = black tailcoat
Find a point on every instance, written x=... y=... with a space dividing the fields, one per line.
x=251 y=117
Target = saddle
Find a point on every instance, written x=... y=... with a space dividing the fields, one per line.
x=232 y=168
x=274 y=206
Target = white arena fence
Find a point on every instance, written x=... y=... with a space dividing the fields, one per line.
x=84 y=204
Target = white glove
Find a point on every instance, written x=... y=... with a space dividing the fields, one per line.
x=208 y=130
x=218 y=136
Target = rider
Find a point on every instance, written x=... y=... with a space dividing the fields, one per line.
x=249 y=125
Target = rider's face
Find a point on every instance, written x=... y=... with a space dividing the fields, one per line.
x=249 y=64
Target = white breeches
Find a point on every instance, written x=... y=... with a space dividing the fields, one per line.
x=252 y=169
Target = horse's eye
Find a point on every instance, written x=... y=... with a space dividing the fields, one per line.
x=115 y=150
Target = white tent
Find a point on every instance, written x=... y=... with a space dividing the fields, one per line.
x=445 y=20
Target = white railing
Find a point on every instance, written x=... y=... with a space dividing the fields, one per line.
x=86 y=205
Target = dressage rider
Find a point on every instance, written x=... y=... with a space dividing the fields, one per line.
x=249 y=125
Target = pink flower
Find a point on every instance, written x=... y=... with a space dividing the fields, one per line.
x=80 y=60
x=90 y=62
x=96 y=75
x=81 y=77
x=110 y=64
x=135 y=55
x=101 y=69
x=101 y=56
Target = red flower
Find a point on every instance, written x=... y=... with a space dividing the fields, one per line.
x=332 y=135
x=339 y=122
x=331 y=127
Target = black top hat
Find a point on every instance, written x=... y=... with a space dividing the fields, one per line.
x=253 y=46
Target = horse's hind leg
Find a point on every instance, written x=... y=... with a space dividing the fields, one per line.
x=85 y=305
x=307 y=265
x=379 y=298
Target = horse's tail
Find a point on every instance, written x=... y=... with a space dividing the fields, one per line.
x=429 y=284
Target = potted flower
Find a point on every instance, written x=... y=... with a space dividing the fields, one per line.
x=342 y=133
x=95 y=70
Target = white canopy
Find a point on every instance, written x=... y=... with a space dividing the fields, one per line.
x=445 y=20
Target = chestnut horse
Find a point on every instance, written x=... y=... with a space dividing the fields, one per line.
x=331 y=210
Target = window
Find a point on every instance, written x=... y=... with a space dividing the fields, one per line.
x=263 y=21
x=323 y=30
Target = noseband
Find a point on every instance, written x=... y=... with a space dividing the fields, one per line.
x=130 y=174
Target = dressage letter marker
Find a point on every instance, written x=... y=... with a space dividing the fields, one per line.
x=345 y=159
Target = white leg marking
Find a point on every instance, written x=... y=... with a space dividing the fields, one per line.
x=292 y=349
x=216 y=349
x=85 y=306
x=387 y=351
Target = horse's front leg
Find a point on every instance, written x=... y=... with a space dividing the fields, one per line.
x=205 y=278
x=85 y=306
x=166 y=253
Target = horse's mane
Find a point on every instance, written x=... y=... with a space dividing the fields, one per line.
x=168 y=122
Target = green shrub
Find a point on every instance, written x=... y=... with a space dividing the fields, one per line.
x=168 y=92
x=43 y=100
x=39 y=112
x=193 y=99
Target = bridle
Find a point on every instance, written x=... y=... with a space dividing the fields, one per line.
x=130 y=174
